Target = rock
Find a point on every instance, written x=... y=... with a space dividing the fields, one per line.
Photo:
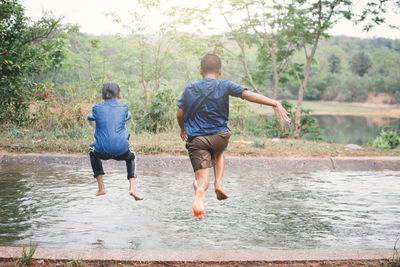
x=353 y=147
x=275 y=140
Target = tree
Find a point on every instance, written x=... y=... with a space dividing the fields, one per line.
x=360 y=63
x=267 y=20
x=334 y=63
x=310 y=21
x=154 y=46
x=26 y=48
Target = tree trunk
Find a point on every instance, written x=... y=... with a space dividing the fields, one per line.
x=246 y=67
x=275 y=69
x=303 y=85
x=143 y=80
x=272 y=52
x=90 y=68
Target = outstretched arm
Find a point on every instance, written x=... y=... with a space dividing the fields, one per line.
x=260 y=99
x=180 y=115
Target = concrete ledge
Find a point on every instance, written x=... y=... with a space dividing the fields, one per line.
x=370 y=163
x=283 y=164
x=201 y=255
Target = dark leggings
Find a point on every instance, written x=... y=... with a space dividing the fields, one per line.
x=97 y=166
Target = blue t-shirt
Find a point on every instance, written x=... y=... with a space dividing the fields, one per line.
x=112 y=136
x=206 y=106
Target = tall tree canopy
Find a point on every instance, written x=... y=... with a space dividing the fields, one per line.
x=26 y=48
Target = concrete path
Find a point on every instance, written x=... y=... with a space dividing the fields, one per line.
x=200 y=255
x=334 y=163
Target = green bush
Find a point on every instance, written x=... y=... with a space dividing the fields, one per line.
x=311 y=129
x=161 y=116
x=239 y=111
x=387 y=140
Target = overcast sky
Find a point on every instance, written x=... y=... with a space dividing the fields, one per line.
x=91 y=16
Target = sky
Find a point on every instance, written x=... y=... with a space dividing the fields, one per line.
x=90 y=15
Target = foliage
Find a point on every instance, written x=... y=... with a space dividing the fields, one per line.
x=244 y=121
x=387 y=140
x=259 y=144
x=54 y=113
x=267 y=26
x=373 y=13
x=360 y=63
x=76 y=263
x=26 y=257
x=383 y=76
x=238 y=113
x=161 y=116
x=334 y=63
x=395 y=260
x=309 y=126
x=26 y=48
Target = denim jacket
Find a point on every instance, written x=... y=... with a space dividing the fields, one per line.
x=112 y=136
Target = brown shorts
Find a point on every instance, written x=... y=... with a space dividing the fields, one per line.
x=204 y=150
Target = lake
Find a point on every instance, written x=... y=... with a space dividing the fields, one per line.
x=345 y=129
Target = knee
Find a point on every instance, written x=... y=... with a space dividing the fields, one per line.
x=202 y=181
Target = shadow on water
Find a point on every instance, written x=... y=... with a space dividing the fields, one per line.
x=344 y=129
x=55 y=206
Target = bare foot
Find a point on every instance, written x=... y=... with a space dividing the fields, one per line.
x=221 y=195
x=101 y=192
x=135 y=195
x=198 y=204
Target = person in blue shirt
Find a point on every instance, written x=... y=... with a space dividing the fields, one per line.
x=203 y=112
x=112 y=137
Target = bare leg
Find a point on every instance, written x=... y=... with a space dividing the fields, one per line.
x=102 y=190
x=132 y=189
x=219 y=169
x=200 y=186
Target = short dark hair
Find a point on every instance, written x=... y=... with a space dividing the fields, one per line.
x=110 y=90
x=210 y=63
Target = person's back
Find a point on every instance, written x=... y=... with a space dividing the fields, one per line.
x=206 y=105
x=112 y=136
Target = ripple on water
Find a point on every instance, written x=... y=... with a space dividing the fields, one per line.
x=56 y=207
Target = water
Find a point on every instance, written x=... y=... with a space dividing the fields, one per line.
x=55 y=206
x=343 y=129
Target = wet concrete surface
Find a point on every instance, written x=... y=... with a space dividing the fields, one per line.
x=334 y=163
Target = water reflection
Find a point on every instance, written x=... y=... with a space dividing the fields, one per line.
x=56 y=207
x=352 y=129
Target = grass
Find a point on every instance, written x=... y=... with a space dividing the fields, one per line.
x=20 y=140
x=26 y=257
x=395 y=260
x=76 y=263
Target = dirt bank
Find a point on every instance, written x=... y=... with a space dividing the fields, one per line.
x=58 y=263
